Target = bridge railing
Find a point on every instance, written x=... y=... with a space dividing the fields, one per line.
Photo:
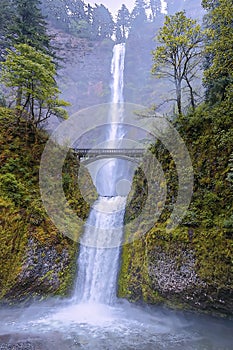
x=84 y=152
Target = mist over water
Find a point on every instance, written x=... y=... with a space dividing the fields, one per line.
x=62 y=325
x=93 y=318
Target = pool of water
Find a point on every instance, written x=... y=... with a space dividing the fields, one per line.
x=65 y=325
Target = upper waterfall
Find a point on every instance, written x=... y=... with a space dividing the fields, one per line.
x=112 y=170
x=117 y=71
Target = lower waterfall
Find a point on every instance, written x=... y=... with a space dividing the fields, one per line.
x=98 y=264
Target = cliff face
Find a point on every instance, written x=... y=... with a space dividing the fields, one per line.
x=84 y=76
x=190 y=266
x=36 y=260
x=180 y=273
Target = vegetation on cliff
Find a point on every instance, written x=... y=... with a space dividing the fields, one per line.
x=192 y=265
x=29 y=239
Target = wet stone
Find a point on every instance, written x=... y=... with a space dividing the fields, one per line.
x=17 y=346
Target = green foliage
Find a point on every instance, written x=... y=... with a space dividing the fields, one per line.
x=80 y=28
x=12 y=243
x=11 y=188
x=219 y=49
x=30 y=75
x=207 y=229
x=79 y=19
x=23 y=216
x=6 y=20
x=178 y=55
x=64 y=15
x=56 y=13
x=29 y=26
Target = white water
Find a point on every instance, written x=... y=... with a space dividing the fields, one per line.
x=117 y=70
x=98 y=265
x=98 y=261
x=113 y=169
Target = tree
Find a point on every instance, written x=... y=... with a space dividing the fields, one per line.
x=122 y=24
x=30 y=26
x=89 y=14
x=6 y=19
x=30 y=75
x=155 y=7
x=56 y=13
x=179 y=54
x=76 y=9
x=103 y=25
x=138 y=15
x=77 y=19
x=218 y=49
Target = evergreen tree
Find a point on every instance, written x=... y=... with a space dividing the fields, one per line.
x=103 y=25
x=155 y=7
x=29 y=26
x=55 y=12
x=6 y=19
x=122 y=24
x=89 y=14
x=138 y=15
x=72 y=16
x=76 y=9
x=78 y=20
x=219 y=49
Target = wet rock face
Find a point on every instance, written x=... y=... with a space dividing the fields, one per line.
x=17 y=346
x=175 y=278
x=170 y=274
x=44 y=271
x=84 y=76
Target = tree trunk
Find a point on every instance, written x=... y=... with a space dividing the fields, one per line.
x=178 y=96
x=19 y=97
x=191 y=93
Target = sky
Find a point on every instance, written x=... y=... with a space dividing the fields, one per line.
x=115 y=5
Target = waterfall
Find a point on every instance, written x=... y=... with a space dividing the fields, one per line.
x=117 y=70
x=98 y=260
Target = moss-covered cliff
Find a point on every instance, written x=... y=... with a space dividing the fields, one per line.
x=35 y=259
x=190 y=266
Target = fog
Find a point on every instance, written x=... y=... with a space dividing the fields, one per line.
x=61 y=325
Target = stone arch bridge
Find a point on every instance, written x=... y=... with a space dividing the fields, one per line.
x=87 y=155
